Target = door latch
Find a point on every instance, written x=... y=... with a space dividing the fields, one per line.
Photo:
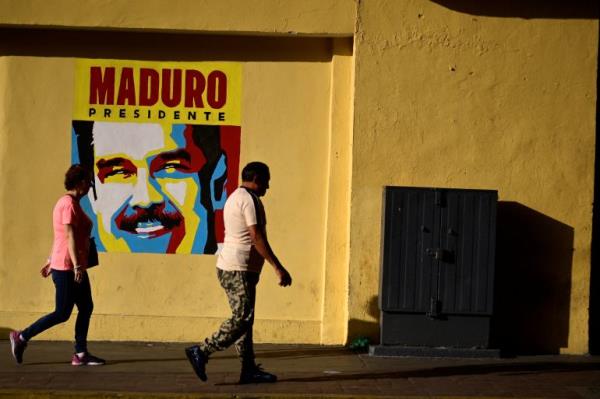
x=443 y=255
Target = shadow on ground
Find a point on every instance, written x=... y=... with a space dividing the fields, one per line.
x=297 y=353
x=4 y=331
x=479 y=369
x=261 y=354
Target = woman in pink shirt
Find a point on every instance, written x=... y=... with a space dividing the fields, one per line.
x=67 y=264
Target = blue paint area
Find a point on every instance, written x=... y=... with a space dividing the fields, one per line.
x=202 y=231
x=87 y=208
x=220 y=171
x=85 y=201
x=74 y=148
x=178 y=135
x=157 y=245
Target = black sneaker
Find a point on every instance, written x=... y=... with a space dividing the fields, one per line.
x=87 y=360
x=17 y=346
x=198 y=360
x=256 y=375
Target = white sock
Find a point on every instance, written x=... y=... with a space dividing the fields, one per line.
x=80 y=354
x=21 y=338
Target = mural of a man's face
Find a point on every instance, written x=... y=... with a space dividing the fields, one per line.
x=148 y=188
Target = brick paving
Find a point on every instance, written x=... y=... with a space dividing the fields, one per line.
x=161 y=370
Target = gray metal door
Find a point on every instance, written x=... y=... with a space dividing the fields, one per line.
x=438 y=252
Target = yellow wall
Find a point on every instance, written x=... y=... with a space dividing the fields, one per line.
x=286 y=107
x=426 y=94
x=450 y=99
x=314 y=17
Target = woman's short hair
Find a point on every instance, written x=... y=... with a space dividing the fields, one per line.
x=255 y=169
x=75 y=175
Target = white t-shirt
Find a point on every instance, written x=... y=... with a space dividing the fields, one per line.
x=242 y=209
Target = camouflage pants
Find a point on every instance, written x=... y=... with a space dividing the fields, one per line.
x=240 y=288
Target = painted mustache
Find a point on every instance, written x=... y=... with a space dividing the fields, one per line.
x=150 y=221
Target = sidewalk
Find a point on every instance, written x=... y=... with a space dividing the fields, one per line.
x=159 y=370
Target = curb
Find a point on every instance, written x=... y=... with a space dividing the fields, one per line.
x=32 y=394
x=35 y=394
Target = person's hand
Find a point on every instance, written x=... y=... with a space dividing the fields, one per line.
x=45 y=270
x=79 y=274
x=284 y=277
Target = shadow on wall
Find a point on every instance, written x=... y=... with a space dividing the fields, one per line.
x=576 y=9
x=167 y=46
x=533 y=281
x=594 y=334
x=368 y=329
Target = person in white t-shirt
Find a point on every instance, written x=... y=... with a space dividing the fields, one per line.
x=238 y=268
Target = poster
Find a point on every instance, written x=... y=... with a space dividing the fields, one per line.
x=163 y=142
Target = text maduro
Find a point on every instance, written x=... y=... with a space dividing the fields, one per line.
x=173 y=88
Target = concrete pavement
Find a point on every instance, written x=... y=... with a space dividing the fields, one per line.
x=160 y=370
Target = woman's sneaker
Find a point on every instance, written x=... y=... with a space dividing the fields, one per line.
x=17 y=346
x=87 y=360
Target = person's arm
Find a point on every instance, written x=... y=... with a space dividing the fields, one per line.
x=45 y=271
x=73 y=253
x=264 y=249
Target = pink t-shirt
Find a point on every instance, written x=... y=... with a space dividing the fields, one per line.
x=68 y=211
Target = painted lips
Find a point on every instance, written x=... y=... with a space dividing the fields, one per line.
x=149 y=230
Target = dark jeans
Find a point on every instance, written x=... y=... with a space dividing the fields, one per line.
x=68 y=293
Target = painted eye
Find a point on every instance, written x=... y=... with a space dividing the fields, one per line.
x=120 y=171
x=115 y=169
x=171 y=167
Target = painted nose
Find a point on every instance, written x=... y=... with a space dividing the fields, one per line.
x=144 y=193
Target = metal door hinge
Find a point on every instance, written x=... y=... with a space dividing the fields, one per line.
x=435 y=309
